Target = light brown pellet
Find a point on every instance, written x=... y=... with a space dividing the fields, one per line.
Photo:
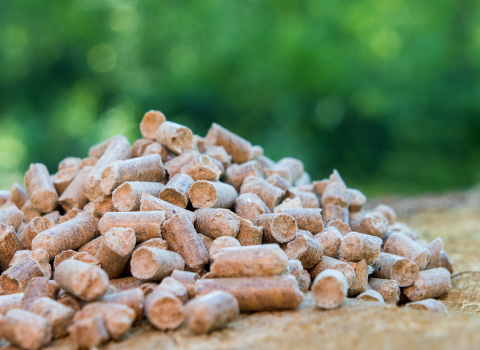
x=59 y=315
x=125 y=283
x=62 y=179
x=118 y=318
x=118 y=149
x=61 y=257
x=73 y=196
x=210 y=312
x=288 y=168
x=16 y=323
x=19 y=255
x=268 y=193
x=87 y=258
x=387 y=212
x=10 y=302
x=236 y=173
x=175 y=137
x=164 y=310
x=435 y=248
x=305 y=249
x=307 y=219
x=431 y=305
x=256 y=293
x=4 y=195
x=207 y=194
x=202 y=168
x=373 y=224
x=150 y=203
x=133 y=298
x=328 y=263
x=17 y=195
x=372 y=296
x=173 y=286
x=358 y=246
x=188 y=279
x=360 y=280
x=89 y=161
x=308 y=199
x=431 y=283
x=235 y=145
x=389 y=289
x=158 y=243
x=182 y=238
x=278 y=181
x=148 y=288
x=333 y=212
x=127 y=196
x=40 y=188
x=43 y=259
x=9 y=245
x=331 y=240
x=92 y=246
x=249 y=234
x=221 y=243
x=335 y=193
x=249 y=206
x=207 y=242
x=15 y=278
x=398 y=268
x=252 y=261
x=147 y=225
x=54 y=216
x=97 y=150
x=329 y=289
x=69 y=215
x=11 y=216
x=115 y=250
x=400 y=244
x=102 y=205
x=150 y=123
x=277 y=228
x=29 y=212
x=69 y=235
x=402 y=227
x=152 y=264
x=70 y=301
x=69 y=162
x=176 y=190
x=446 y=261
x=294 y=268
x=305 y=281
x=342 y=227
x=85 y=281
x=199 y=144
x=38 y=287
x=147 y=168
x=37 y=225
x=215 y=223
x=156 y=148
x=89 y=332
x=139 y=146
x=357 y=200
x=219 y=153
x=288 y=203
x=174 y=165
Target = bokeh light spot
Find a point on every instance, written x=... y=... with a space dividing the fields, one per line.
x=329 y=111
x=183 y=59
x=385 y=43
x=102 y=58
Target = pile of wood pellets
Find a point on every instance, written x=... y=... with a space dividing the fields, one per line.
x=186 y=231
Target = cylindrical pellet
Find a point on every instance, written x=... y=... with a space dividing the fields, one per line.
x=305 y=249
x=62 y=179
x=182 y=238
x=215 y=223
x=115 y=250
x=329 y=263
x=38 y=287
x=268 y=193
x=305 y=281
x=394 y=267
x=61 y=257
x=11 y=216
x=59 y=315
x=10 y=302
x=211 y=311
x=118 y=149
x=207 y=194
x=71 y=234
x=19 y=255
x=219 y=153
x=82 y=280
x=148 y=169
x=158 y=243
x=277 y=228
x=17 y=196
x=249 y=206
x=125 y=283
x=333 y=212
x=357 y=200
x=173 y=286
x=288 y=168
x=278 y=181
x=139 y=146
x=26 y=329
x=15 y=279
x=389 y=289
x=308 y=219
x=37 y=225
x=97 y=150
x=40 y=188
x=335 y=193
x=400 y=244
x=387 y=212
x=177 y=138
x=150 y=203
x=89 y=332
x=127 y=196
x=435 y=248
x=29 y=212
x=73 y=196
x=373 y=224
x=308 y=199
x=221 y=243
x=102 y=205
x=133 y=298
x=329 y=289
x=188 y=279
x=295 y=268
x=249 y=234
x=360 y=280
x=371 y=295
x=9 y=244
x=150 y=123
x=235 y=145
x=147 y=225
x=69 y=162
x=70 y=301
x=202 y=168
x=431 y=283
x=252 y=261
x=87 y=258
x=342 y=227
x=238 y=172
x=176 y=190
x=445 y=259
x=331 y=240
x=162 y=151
x=357 y=246
x=431 y=305
x=164 y=310
x=256 y=293
x=174 y=165
x=152 y=264
x=91 y=247
x=89 y=161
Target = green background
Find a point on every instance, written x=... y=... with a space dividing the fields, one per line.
x=386 y=91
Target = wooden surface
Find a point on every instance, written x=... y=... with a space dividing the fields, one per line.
x=360 y=325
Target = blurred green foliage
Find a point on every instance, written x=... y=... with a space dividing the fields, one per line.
x=386 y=91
